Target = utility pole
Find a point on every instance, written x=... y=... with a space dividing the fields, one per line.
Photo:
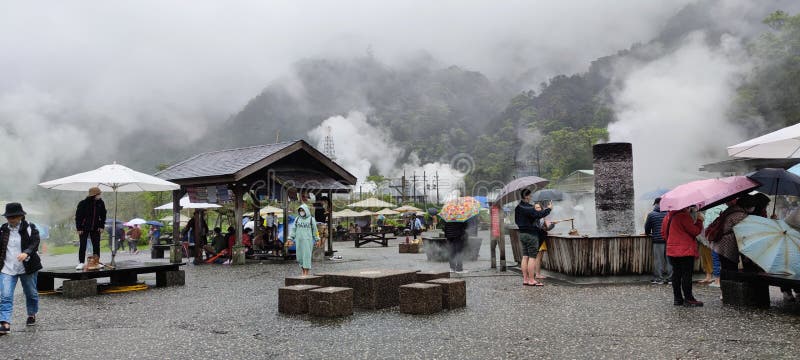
x=424 y=190
x=437 y=188
x=403 y=185
x=414 y=186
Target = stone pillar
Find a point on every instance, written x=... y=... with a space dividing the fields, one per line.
x=79 y=288
x=613 y=188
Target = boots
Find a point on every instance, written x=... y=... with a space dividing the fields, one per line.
x=92 y=263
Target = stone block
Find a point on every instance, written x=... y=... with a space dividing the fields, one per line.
x=170 y=278
x=373 y=289
x=305 y=280
x=742 y=293
x=294 y=299
x=454 y=292
x=420 y=298
x=317 y=254
x=79 y=288
x=409 y=248
x=424 y=276
x=330 y=301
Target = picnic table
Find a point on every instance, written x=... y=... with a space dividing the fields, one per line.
x=379 y=237
x=125 y=273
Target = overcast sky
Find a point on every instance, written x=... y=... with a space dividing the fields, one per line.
x=189 y=53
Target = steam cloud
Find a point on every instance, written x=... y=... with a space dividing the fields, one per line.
x=359 y=147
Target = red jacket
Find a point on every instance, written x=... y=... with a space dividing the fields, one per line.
x=682 y=232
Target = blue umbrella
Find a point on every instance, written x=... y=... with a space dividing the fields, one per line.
x=794 y=169
x=650 y=195
x=154 y=223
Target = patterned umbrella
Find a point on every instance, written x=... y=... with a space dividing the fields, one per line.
x=460 y=209
x=772 y=244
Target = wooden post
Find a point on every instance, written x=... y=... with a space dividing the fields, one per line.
x=329 y=218
x=175 y=252
x=238 y=250
x=285 y=199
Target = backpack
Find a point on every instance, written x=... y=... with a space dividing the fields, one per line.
x=714 y=231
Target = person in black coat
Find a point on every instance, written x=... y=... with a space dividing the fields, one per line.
x=19 y=243
x=90 y=218
x=456 y=234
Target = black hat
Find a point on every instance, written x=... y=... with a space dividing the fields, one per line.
x=14 y=209
x=657 y=201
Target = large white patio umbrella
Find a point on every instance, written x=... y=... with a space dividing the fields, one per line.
x=371 y=203
x=116 y=178
x=781 y=144
x=187 y=204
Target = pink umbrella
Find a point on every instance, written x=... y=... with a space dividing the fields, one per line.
x=706 y=193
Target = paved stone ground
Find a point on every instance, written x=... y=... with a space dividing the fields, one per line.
x=231 y=312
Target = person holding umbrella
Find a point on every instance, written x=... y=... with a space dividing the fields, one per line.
x=90 y=218
x=19 y=242
x=526 y=218
x=680 y=228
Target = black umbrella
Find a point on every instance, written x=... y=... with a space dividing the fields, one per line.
x=548 y=195
x=776 y=182
x=433 y=211
x=510 y=192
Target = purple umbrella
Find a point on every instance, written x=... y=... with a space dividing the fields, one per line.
x=511 y=191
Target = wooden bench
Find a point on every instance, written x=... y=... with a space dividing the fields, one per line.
x=124 y=274
x=368 y=237
x=751 y=288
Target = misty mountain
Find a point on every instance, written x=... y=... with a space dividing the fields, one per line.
x=428 y=109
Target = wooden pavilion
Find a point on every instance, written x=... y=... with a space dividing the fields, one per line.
x=274 y=171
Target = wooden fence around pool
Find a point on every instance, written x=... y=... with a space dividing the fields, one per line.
x=597 y=256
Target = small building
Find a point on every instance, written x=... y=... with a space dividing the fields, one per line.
x=579 y=182
x=282 y=171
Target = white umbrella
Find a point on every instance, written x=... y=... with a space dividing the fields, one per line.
x=781 y=144
x=371 y=203
x=387 y=212
x=408 y=208
x=136 y=221
x=346 y=213
x=116 y=178
x=187 y=204
x=270 y=209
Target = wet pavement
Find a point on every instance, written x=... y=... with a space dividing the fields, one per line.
x=231 y=312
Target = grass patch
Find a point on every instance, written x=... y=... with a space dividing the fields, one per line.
x=73 y=249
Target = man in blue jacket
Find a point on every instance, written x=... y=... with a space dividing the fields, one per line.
x=662 y=270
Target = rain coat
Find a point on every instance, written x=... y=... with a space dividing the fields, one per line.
x=303 y=233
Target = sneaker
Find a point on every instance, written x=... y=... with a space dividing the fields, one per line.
x=461 y=271
x=694 y=303
x=677 y=303
x=452 y=271
x=31 y=321
x=788 y=297
x=655 y=281
x=666 y=282
x=80 y=266
x=5 y=328
x=714 y=284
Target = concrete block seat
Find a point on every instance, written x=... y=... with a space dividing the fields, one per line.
x=420 y=298
x=293 y=299
x=305 y=280
x=424 y=276
x=330 y=301
x=454 y=292
x=372 y=289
